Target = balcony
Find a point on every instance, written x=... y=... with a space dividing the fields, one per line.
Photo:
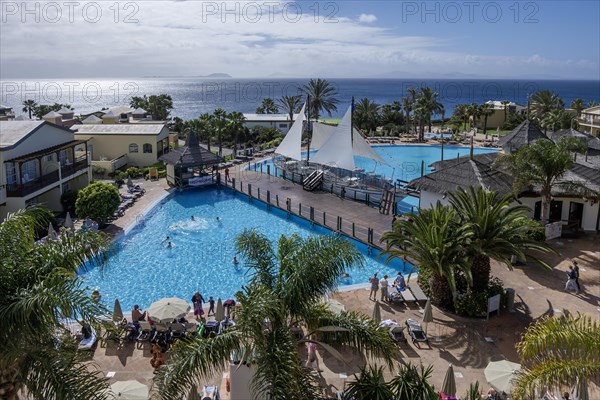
x=24 y=189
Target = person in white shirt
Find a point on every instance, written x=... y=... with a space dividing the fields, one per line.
x=383 y=284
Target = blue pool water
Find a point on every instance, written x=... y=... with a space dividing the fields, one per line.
x=144 y=270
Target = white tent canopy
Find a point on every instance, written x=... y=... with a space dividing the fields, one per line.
x=291 y=145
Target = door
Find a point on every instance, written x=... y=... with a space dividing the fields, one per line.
x=555 y=211
x=576 y=213
x=537 y=210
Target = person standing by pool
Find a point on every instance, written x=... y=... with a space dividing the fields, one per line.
x=374 y=286
x=227 y=174
x=211 y=306
x=384 y=288
x=197 y=301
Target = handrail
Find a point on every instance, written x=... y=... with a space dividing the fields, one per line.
x=336 y=223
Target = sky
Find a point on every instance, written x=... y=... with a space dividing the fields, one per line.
x=305 y=39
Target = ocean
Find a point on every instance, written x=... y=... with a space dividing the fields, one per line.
x=194 y=96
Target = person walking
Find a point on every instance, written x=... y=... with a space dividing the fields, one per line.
x=576 y=269
x=374 y=287
x=312 y=359
x=383 y=283
x=197 y=301
x=570 y=285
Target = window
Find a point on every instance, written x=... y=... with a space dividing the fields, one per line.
x=49 y=157
x=63 y=157
x=147 y=148
x=133 y=148
x=29 y=171
x=283 y=125
x=11 y=174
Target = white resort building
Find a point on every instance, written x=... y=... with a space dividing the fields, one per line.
x=39 y=161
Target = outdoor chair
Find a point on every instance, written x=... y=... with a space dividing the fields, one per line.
x=408 y=296
x=396 y=333
x=162 y=334
x=417 y=292
x=146 y=331
x=177 y=331
x=416 y=332
x=396 y=297
x=191 y=328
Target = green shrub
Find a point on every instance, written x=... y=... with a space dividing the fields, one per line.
x=535 y=231
x=134 y=172
x=471 y=304
x=68 y=199
x=475 y=304
x=97 y=201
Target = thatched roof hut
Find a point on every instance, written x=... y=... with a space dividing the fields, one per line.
x=526 y=133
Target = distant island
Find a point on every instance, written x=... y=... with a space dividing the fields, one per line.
x=215 y=75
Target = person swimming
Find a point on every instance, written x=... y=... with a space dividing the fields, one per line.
x=235 y=260
x=169 y=245
x=193 y=218
x=345 y=275
x=166 y=239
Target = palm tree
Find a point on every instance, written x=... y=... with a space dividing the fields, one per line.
x=558 y=351
x=407 y=106
x=473 y=110
x=555 y=120
x=542 y=164
x=285 y=291
x=411 y=383
x=505 y=103
x=235 y=126
x=578 y=106
x=462 y=111
x=29 y=106
x=204 y=128
x=496 y=231
x=485 y=110
x=267 y=106
x=412 y=92
x=218 y=122
x=291 y=105
x=428 y=104
x=366 y=115
x=435 y=242
x=544 y=101
x=322 y=97
x=370 y=385
x=39 y=286
x=391 y=116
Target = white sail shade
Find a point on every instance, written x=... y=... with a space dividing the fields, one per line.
x=337 y=150
x=291 y=145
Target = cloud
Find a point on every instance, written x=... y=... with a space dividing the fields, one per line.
x=367 y=18
x=189 y=38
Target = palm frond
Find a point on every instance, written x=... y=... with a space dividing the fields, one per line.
x=195 y=360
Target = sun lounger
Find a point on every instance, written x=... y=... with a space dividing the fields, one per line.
x=210 y=393
x=396 y=333
x=88 y=340
x=417 y=292
x=396 y=297
x=416 y=332
x=408 y=295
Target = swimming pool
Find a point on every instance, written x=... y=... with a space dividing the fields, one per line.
x=143 y=270
x=404 y=161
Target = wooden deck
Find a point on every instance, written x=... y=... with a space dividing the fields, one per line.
x=347 y=217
